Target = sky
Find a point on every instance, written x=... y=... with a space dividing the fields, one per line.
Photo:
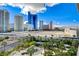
x=60 y=14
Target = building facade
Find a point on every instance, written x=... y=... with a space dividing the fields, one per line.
x=18 y=23
x=29 y=18
x=4 y=21
x=46 y=27
x=41 y=25
x=50 y=26
x=32 y=19
x=55 y=34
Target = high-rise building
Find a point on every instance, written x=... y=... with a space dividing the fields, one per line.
x=46 y=27
x=18 y=23
x=34 y=17
x=41 y=25
x=4 y=21
x=50 y=26
x=29 y=18
x=78 y=31
x=78 y=6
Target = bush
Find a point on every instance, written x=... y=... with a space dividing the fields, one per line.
x=72 y=51
x=48 y=53
x=31 y=50
x=1 y=39
x=2 y=53
x=6 y=37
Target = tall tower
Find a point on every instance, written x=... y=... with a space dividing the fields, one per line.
x=77 y=6
x=29 y=18
x=34 y=19
x=18 y=23
x=4 y=21
x=41 y=25
x=50 y=25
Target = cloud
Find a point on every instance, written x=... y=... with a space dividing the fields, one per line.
x=32 y=7
x=2 y=4
x=51 y=4
x=20 y=5
x=25 y=22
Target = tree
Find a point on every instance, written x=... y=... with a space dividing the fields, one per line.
x=52 y=36
x=1 y=39
x=61 y=45
x=1 y=53
x=26 y=44
x=72 y=51
x=57 y=52
x=48 y=53
x=45 y=45
x=32 y=43
x=39 y=38
x=31 y=50
x=46 y=37
x=69 y=42
x=4 y=44
x=22 y=40
x=75 y=43
x=6 y=37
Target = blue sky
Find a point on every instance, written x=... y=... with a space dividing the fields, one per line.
x=62 y=14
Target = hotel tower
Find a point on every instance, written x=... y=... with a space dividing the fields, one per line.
x=18 y=23
x=4 y=21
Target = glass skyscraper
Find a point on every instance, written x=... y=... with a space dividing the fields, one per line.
x=32 y=19
x=29 y=18
x=4 y=21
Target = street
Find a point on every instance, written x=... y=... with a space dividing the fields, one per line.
x=10 y=46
